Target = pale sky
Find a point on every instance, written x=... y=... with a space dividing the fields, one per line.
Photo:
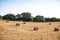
x=47 y=8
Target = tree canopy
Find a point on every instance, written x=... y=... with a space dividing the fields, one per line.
x=9 y=16
x=39 y=18
x=26 y=16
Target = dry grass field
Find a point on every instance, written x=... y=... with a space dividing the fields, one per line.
x=9 y=30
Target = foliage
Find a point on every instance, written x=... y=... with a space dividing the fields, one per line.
x=0 y=16
x=26 y=16
x=39 y=18
x=53 y=19
x=9 y=17
x=18 y=17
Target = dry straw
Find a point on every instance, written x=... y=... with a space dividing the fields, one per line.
x=35 y=28
x=24 y=22
x=56 y=29
x=49 y=23
x=17 y=24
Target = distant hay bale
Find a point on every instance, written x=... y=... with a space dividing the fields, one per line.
x=49 y=23
x=17 y=24
x=56 y=29
x=7 y=20
x=35 y=28
x=59 y=25
x=24 y=22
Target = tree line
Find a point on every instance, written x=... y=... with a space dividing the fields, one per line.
x=26 y=16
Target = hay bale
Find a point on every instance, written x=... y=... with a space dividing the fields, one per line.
x=17 y=24
x=24 y=22
x=49 y=23
x=35 y=28
x=7 y=20
x=56 y=29
x=59 y=25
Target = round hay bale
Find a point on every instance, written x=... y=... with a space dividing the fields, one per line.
x=17 y=24
x=56 y=29
x=7 y=20
x=24 y=22
x=59 y=25
x=35 y=28
x=49 y=23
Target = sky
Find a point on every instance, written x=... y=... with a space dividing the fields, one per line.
x=46 y=8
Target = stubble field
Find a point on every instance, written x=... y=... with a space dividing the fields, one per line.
x=9 y=30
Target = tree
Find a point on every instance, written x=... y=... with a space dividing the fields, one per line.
x=9 y=16
x=39 y=18
x=47 y=19
x=57 y=19
x=26 y=16
x=53 y=19
x=18 y=17
x=0 y=16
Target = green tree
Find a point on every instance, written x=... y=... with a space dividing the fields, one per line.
x=53 y=19
x=57 y=19
x=47 y=19
x=0 y=16
x=18 y=17
x=39 y=18
x=26 y=16
x=9 y=16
